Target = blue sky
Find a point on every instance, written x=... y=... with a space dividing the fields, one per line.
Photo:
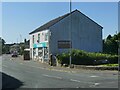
x=119 y=17
x=20 y=18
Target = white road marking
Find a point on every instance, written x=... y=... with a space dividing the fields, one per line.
x=52 y=76
x=36 y=67
x=95 y=84
x=11 y=59
x=80 y=81
x=94 y=76
x=75 y=80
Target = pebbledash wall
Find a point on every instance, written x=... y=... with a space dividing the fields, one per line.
x=39 y=48
x=75 y=28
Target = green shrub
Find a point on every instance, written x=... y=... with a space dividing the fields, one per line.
x=113 y=59
x=63 y=58
x=85 y=58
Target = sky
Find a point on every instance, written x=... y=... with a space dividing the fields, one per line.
x=20 y=18
x=119 y=16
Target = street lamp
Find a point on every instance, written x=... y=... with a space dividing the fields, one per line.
x=70 y=35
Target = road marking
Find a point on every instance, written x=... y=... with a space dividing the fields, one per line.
x=81 y=81
x=11 y=59
x=95 y=84
x=36 y=67
x=94 y=76
x=75 y=80
x=52 y=76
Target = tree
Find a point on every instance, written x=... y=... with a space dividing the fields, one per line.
x=3 y=45
x=109 y=37
x=25 y=40
x=110 y=44
x=3 y=42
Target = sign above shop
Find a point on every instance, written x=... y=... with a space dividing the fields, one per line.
x=43 y=44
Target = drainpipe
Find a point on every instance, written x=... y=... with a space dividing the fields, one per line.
x=43 y=55
x=49 y=34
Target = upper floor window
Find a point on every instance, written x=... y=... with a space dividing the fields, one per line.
x=33 y=38
x=38 y=38
x=46 y=36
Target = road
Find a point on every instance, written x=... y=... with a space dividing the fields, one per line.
x=30 y=74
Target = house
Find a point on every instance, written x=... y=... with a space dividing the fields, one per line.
x=14 y=47
x=74 y=30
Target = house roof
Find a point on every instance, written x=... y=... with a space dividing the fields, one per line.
x=54 y=21
x=50 y=23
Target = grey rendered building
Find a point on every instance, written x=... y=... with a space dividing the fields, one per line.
x=74 y=30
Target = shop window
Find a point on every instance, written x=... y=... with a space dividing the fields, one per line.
x=40 y=52
x=34 y=51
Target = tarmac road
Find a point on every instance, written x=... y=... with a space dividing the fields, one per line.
x=17 y=73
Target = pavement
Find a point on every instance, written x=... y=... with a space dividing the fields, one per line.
x=18 y=73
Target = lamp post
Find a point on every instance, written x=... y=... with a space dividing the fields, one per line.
x=70 y=35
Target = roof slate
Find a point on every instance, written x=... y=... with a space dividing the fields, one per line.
x=54 y=21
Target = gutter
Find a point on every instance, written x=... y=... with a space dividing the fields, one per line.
x=95 y=67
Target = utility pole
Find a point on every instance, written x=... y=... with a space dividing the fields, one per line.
x=70 y=35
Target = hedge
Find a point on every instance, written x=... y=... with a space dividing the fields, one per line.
x=80 y=57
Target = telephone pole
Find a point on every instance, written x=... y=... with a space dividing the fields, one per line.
x=70 y=35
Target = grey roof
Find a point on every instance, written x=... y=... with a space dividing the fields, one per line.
x=54 y=21
x=50 y=23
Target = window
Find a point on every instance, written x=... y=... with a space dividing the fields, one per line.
x=33 y=38
x=38 y=38
x=46 y=37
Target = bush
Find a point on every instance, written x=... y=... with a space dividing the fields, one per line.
x=113 y=59
x=63 y=58
x=80 y=57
